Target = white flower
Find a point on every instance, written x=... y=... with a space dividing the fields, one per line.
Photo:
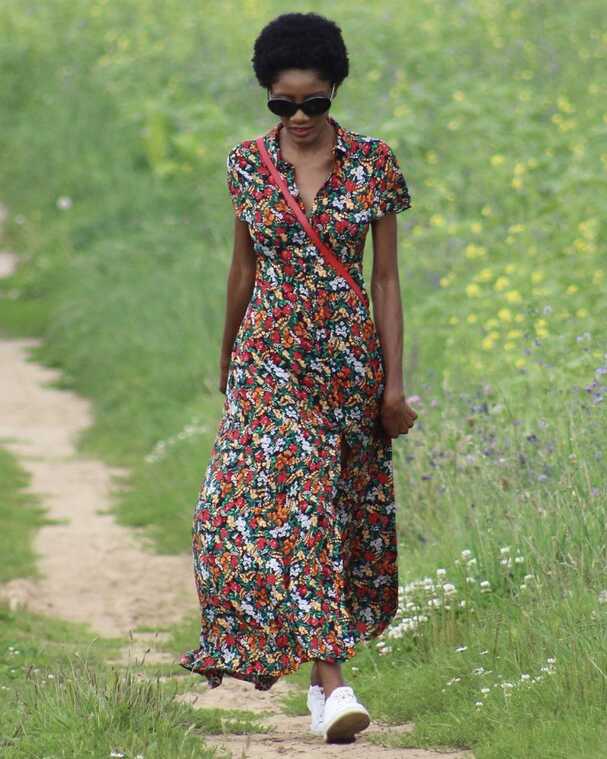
x=461 y=648
x=505 y=550
x=466 y=554
x=441 y=572
x=64 y=202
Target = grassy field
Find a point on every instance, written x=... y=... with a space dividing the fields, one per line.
x=115 y=121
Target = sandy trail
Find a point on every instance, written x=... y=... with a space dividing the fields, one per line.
x=94 y=570
x=97 y=572
x=290 y=736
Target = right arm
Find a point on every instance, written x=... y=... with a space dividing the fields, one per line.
x=241 y=280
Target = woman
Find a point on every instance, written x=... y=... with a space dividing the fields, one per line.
x=294 y=538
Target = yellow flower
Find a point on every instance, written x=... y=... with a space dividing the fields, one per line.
x=519 y=363
x=484 y=275
x=453 y=320
x=472 y=290
x=474 y=251
x=497 y=159
x=487 y=343
x=514 y=228
x=490 y=323
x=505 y=314
x=472 y=318
x=444 y=281
x=514 y=333
x=519 y=318
x=581 y=313
x=509 y=268
x=508 y=346
x=476 y=227
x=513 y=296
x=437 y=219
x=537 y=276
x=572 y=289
x=501 y=283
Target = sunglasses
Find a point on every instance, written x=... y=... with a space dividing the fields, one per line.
x=313 y=106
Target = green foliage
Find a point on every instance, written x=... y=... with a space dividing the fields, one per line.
x=20 y=517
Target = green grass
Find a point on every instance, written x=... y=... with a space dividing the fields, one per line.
x=496 y=113
x=61 y=699
x=20 y=517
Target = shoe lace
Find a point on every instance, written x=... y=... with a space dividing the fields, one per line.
x=345 y=694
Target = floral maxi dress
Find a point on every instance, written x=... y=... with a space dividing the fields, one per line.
x=294 y=544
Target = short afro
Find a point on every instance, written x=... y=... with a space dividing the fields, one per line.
x=302 y=41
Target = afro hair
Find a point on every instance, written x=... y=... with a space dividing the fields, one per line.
x=301 y=41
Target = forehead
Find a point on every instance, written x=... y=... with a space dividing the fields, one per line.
x=299 y=82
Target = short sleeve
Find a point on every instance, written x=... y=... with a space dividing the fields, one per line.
x=238 y=179
x=391 y=191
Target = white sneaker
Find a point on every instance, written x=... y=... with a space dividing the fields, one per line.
x=316 y=705
x=344 y=715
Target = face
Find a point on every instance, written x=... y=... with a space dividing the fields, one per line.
x=298 y=84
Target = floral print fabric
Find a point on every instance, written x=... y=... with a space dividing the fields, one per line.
x=294 y=532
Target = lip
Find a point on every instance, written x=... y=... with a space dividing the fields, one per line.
x=300 y=130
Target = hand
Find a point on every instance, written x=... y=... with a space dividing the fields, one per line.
x=396 y=416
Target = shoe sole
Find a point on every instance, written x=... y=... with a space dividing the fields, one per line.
x=346 y=725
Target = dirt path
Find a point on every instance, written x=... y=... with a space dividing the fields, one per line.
x=94 y=570
x=290 y=736
x=100 y=573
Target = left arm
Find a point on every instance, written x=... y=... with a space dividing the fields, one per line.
x=387 y=306
x=397 y=416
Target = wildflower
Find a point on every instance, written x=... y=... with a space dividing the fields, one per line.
x=64 y=202
x=466 y=554
x=441 y=572
x=459 y=649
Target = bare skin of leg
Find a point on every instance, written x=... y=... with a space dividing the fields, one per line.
x=327 y=675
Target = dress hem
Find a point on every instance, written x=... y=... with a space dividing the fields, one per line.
x=264 y=681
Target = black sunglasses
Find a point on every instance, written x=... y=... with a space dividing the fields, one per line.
x=313 y=106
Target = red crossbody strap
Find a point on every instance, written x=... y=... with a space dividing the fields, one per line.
x=301 y=217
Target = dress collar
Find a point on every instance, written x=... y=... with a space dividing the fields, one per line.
x=341 y=148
